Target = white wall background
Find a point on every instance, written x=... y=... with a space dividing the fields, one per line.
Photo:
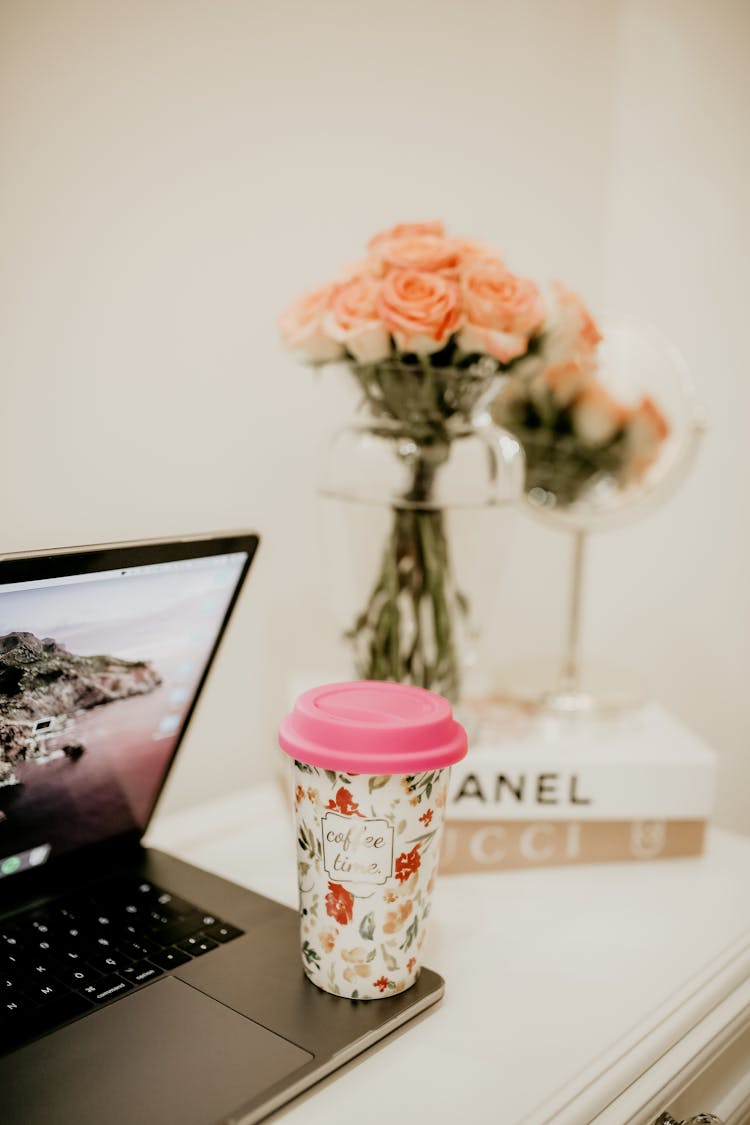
x=173 y=172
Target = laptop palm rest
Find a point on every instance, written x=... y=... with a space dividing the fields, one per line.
x=166 y=1054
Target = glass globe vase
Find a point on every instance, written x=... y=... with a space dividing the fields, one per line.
x=596 y=459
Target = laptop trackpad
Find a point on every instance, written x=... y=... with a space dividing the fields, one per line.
x=166 y=1054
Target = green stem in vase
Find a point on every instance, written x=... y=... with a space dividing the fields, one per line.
x=407 y=631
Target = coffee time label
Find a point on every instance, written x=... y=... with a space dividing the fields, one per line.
x=357 y=851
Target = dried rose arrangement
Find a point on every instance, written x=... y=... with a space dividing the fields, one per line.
x=433 y=327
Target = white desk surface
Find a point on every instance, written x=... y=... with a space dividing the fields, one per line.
x=566 y=988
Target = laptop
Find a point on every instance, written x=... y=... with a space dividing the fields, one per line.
x=135 y=987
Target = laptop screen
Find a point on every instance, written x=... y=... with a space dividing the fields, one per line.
x=98 y=675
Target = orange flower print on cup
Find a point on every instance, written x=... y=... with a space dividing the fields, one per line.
x=395 y=919
x=339 y=904
x=356 y=964
x=382 y=983
x=299 y=793
x=344 y=803
x=327 y=939
x=313 y=797
x=407 y=863
x=425 y=818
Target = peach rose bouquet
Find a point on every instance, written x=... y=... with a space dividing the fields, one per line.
x=434 y=329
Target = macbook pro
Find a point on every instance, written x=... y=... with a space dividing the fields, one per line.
x=134 y=987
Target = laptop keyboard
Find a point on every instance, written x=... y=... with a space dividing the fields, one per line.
x=72 y=955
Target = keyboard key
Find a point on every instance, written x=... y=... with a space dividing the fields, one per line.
x=168 y=901
x=195 y=946
x=79 y=977
x=222 y=931
x=132 y=912
x=145 y=888
x=42 y=950
x=105 y=944
x=14 y=1007
x=142 y=948
x=164 y=916
x=108 y=962
x=40 y=924
x=10 y=941
x=43 y=991
x=141 y=972
x=170 y=958
x=129 y=888
x=73 y=956
x=169 y=935
x=107 y=989
x=41 y=970
x=137 y=928
x=12 y=962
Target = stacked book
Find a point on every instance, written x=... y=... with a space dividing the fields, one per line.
x=543 y=791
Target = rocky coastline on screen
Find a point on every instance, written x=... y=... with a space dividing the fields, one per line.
x=43 y=686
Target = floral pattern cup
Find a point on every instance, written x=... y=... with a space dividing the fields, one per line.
x=368 y=836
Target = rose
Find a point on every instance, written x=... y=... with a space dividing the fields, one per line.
x=302 y=326
x=400 y=230
x=576 y=319
x=353 y=320
x=572 y=335
x=566 y=381
x=501 y=311
x=597 y=416
x=469 y=250
x=645 y=430
x=421 y=310
x=428 y=253
x=569 y=355
x=371 y=266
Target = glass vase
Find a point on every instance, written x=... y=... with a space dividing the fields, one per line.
x=416 y=520
x=582 y=487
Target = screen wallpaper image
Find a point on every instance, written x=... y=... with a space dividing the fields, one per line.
x=97 y=674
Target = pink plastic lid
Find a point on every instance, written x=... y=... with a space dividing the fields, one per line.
x=373 y=726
